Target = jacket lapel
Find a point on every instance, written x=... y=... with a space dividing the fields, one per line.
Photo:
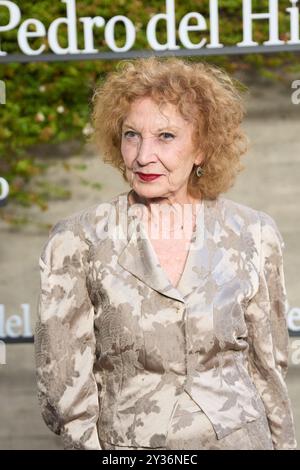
x=139 y=257
x=198 y=266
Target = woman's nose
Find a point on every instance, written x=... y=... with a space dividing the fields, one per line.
x=146 y=150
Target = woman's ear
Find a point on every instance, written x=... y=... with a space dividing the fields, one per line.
x=199 y=157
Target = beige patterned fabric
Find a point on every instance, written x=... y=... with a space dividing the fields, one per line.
x=126 y=360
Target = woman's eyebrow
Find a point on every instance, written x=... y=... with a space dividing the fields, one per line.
x=161 y=129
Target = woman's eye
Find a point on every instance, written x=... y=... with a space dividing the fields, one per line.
x=167 y=135
x=128 y=132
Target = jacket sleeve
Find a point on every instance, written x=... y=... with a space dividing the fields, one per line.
x=65 y=342
x=266 y=317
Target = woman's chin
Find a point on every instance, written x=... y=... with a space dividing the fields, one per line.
x=149 y=190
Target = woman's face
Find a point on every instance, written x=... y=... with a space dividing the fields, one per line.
x=158 y=151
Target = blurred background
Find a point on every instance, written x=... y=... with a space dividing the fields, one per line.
x=52 y=172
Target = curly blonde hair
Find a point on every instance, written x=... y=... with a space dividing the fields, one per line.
x=201 y=92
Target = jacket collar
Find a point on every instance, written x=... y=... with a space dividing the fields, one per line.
x=140 y=259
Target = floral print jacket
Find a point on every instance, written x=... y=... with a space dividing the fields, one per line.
x=116 y=343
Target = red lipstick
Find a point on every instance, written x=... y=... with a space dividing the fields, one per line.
x=147 y=176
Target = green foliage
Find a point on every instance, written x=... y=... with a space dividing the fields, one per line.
x=50 y=102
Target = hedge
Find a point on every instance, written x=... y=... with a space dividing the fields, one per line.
x=50 y=102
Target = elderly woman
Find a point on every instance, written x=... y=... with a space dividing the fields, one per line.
x=162 y=312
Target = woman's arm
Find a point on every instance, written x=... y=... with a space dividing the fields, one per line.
x=268 y=337
x=65 y=342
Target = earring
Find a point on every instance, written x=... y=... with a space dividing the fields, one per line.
x=200 y=171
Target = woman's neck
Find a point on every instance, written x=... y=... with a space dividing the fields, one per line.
x=165 y=215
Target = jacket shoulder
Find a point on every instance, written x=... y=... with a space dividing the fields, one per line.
x=270 y=232
x=84 y=221
x=239 y=210
x=77 y=230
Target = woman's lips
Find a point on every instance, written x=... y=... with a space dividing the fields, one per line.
x=148 y=176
